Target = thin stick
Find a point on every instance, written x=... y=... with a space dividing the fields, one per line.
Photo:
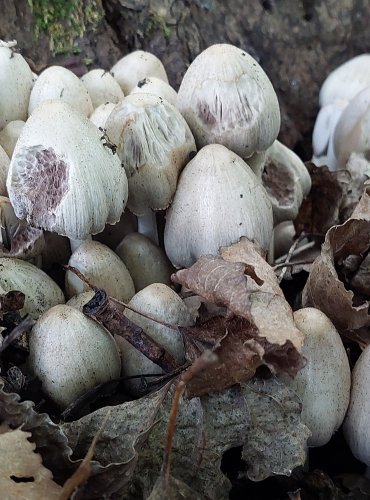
x=206 y=358
x=291 y=264
x=25 y=325
x=296 y=252
x=289 y=256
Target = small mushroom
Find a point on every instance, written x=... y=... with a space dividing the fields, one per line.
x=9 y=136
x=324 y=383
x=71 y=354
x=102 y=87
x=57 y=82
x=218 y=200
x=103 y=268
x=146 y=262
x=15 y=84
x=157 y=87
x=356 y=425
x=100 y=115
x=162 y=303
x=227 y=98
x=132 y=68
x=153 y=143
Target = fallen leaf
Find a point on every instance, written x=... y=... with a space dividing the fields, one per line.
x=22 y=474
x=321 y=208
x=50 y=441
x=173 y=490
x=276 y=441
x=328 y=287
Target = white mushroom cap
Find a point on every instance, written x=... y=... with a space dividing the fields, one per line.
x=347 y=80
x=102 y=87
x=157 y=87
x=41 y=292
x=326 y=121
x=132 y=68
x=160 y=302
x=356 y=425
x=153 y=143
x=100 y=114
x=218 y=200
x=9 y=136
x=71 y=354
x=61 y=177
x=57 y=82
x=286 y=180
x=323 y=384
x=352 y=133
x=103 y=268
x=227 y=98
x=15 y=86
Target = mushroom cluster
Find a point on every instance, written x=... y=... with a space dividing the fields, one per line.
x=90 y=165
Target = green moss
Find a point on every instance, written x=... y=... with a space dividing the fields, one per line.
x=156 y=22
x=64 y=21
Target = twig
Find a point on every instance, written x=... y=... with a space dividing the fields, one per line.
x=289 y=256
x=206 y=358
x=294 y=263
x=103 y=310
x=296 y=252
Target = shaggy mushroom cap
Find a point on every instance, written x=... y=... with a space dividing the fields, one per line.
x=218 y=200
x=153 y=143
x=15 y=85
x=102 y=87
x=61 y=177
x=227 y=98
x=57 y=82
x=132 y=68
x=347 y=80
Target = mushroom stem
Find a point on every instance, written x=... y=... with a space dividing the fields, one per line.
x=76 y=243
x=147 y=225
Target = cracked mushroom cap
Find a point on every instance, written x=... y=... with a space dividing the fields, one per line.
x=61 y=176
x=218 y=200
x=227 y=98
x=132 y=68
x=15 y=85
x=57 y=82
x=153 y=143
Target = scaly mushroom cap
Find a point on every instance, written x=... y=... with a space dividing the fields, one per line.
x=218 y=200
x=15 y=85
x=132 y=68
x=61 y=177
x=102 y=87
x=347 y=80
x=153 y=143
x=227 y=98
x=57 y=82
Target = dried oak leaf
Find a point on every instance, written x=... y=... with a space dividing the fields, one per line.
x=276 y=442
x=206 y=427
x=321 y=208
x=263 y=330
x=22 y=474
x=343 y=251
x=50 y=441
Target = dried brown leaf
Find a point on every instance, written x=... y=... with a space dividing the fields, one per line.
x=173 y=490
x=22 y=474
x=328 y=287
x=11 y=301
x=321 y=208
x=276 y=441
x=50 y=441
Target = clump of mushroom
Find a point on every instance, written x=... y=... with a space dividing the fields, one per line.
x=102 y=87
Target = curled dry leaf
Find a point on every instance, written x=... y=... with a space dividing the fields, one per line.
x=22 y=474
x=50 y=441
x=321 y=208
x=337 y=281
x=243 y=281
